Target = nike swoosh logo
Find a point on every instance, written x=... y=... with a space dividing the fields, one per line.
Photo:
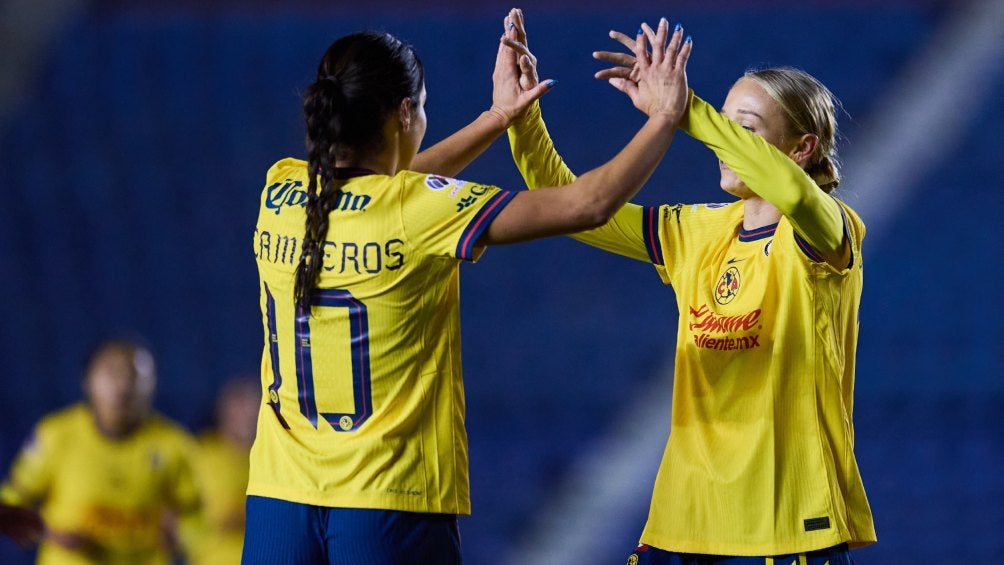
x=734 y=260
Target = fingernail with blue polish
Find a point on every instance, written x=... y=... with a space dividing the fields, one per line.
x=688 y=40
x=551 y=83
x=678 y=27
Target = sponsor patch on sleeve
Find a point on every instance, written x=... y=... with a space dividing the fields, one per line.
x=437 y=183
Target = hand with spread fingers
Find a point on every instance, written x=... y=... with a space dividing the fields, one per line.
x=655 y=76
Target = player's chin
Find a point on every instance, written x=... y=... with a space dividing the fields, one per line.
x=729 y=181
x=735 y=187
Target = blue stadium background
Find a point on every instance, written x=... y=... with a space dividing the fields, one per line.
x=131 y=163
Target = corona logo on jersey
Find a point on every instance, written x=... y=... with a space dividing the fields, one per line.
x=728 y=286
x=712 y=330
x=290 y=193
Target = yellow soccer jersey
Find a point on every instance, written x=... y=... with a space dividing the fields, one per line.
x=221 y=470
x=115 y=492
x=364 y=402
x=760 y=454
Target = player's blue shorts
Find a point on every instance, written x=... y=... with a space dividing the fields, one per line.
x=279 y=532
x=647 y=555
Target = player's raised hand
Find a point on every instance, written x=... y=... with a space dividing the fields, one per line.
x=515 y=81
x=654 y=78
x=515 y=38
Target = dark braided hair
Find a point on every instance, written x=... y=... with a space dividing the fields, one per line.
x=361 y=80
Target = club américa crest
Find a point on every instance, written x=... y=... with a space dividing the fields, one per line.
x=728 y=286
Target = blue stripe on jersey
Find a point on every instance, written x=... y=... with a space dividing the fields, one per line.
x=758 y=233
x=352 y=172
x=811 y=253
x=273 y=353
x=650 y=229
x=847 y=234
x=808 y=250
x=480 y=222
x=359 y=339
x=304 y=386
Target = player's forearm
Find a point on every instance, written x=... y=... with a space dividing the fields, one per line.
x=27 y=483
x=453 y=154
x=540 y=164
x=610 y=186
x=534 y=153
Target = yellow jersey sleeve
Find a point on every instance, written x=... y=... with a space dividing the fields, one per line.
x=445 y=216
x=630 y=232
x=31 y=473
x=768 y=172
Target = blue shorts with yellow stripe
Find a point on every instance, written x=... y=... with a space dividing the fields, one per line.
x=647 y=555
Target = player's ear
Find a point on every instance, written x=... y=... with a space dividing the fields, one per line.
x=404 y=111
x=802 y=152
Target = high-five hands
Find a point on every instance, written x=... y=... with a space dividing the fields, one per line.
x=515 y=38
x=515 y=78
x=655 y=79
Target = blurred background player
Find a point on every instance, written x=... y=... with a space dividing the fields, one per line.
x=110 y=477
x=221 y=468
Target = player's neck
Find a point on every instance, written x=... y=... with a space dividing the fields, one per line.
x=758 y=213
x=379 y=164
x=118 y=430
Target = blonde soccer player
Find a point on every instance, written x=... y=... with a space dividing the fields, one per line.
x=759 y=466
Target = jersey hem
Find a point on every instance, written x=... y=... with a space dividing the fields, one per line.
x=750 y=550
x=340 y=500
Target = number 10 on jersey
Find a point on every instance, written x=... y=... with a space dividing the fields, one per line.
x=358 y=350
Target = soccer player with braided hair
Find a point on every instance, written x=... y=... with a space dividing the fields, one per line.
x=361 y=451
